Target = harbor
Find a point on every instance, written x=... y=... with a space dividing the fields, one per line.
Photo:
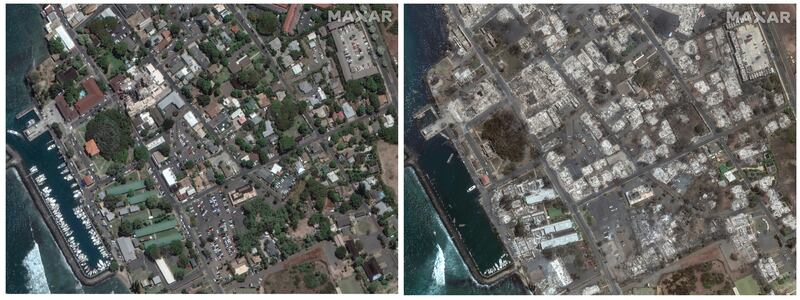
x=54 y=216
x=495 y=273
x=57 y=195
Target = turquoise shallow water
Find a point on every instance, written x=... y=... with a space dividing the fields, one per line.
x=34 y=263
x=432 y=263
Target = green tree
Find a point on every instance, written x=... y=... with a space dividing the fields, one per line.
x=112 y=131
x=286 y=143
x=140 y=153
x=341 y=252
x=248 y=78
x=154 y=252
x=267 y=23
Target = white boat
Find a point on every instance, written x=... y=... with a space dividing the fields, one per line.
x=472 y=188
x=51 y=147
x=68 y=177
x=33 y=169
x=15 y=133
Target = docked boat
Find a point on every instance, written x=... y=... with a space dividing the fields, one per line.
x=33 y=169
x=62 y=165
x=51 y=147
x=68 y=177
x=472 y=188
x=14 y=132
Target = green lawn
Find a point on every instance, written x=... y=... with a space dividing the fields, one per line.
x=158 y=227
x=350 y=285
x=222 y=77
x=164 y=238
x=139 y=215
x=122 y=189
x=554 y=212
x=748 y=286
x=142 y=197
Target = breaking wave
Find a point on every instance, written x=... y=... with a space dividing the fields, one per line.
x=37 y=279
x=438 y=267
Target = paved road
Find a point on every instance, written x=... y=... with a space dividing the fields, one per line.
x=518 y=109
x=639 y=20
x=779 y=56
x=388 y=73
x=243 y=22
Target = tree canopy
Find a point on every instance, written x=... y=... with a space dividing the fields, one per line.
x=111 y=129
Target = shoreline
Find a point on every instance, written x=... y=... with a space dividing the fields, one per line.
x=15 y=162
x=455 y=236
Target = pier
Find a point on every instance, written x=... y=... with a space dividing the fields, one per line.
x=424 y=110
x=35 y=130
x=15 y=161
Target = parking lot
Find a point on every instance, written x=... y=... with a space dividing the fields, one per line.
x=215 y=221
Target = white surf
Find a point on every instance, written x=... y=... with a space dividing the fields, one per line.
x=37 y=279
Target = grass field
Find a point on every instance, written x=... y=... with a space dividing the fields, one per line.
x=350 y=285
x=748 y=286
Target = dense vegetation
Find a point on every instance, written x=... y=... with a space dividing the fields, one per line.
x=111 y=130
x=506 y=134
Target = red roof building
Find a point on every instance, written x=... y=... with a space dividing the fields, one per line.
x=66 y=111
x=93 y=96
x=88 y=180
x=91 y=148
x=484 y=180
x=292 y=16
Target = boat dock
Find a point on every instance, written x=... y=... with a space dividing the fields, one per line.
x=35 y=130
x=13 y=160
x=25 y=112
x=432 y=130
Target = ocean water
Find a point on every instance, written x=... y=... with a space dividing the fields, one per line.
x=34 y=263
x=432 y=263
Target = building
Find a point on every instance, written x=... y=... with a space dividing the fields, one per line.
x=66 y=111
x=93 y=96
x=560 y=241
x=169 y=176
x=165 y=271
x=173 y=98
x=372 y=269
x=241 y=194
x=348 y=110
x=239 y=266
x=768 y=269
x=127 y=249
x=91 y=148
x=292 y=17
x=540 y=196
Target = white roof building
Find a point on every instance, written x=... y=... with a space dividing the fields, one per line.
x=276 y=168
x=560 y=241
x=65 y=38
x=169 y=176
x=165 y=271
x=190 y=119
